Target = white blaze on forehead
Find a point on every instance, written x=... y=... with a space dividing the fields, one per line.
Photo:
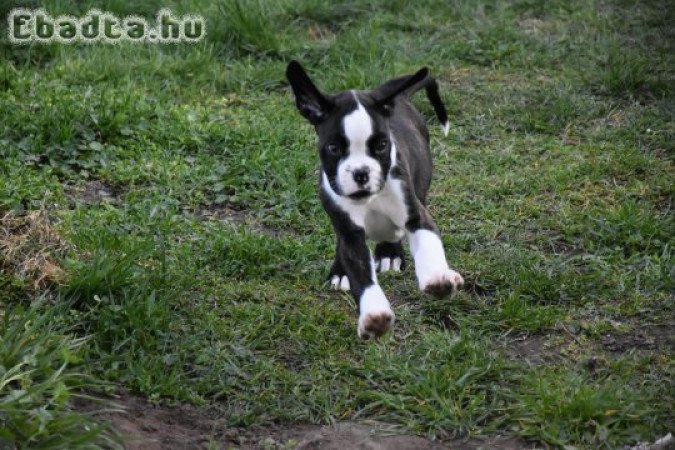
x=392 y=155
x=358 y=127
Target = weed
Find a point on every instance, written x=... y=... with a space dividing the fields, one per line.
x=38 y=378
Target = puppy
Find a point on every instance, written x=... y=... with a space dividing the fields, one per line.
x=375 y=173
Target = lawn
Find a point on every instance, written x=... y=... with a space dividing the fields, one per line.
x=162 y=236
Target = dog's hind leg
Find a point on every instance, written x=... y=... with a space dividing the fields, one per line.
x=389 y=256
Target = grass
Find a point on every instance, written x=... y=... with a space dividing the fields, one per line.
x=199 y=276
x=38 y=379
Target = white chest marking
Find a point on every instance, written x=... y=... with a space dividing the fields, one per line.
x=382 y=215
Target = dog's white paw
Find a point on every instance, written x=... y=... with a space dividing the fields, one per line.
x=441 y=283
x=445 y=127
x=338 y=282
x=387 y=264
x=376 y=316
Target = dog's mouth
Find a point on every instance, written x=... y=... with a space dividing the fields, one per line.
x=359 y=195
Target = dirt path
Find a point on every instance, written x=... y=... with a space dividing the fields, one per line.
x=153 y=427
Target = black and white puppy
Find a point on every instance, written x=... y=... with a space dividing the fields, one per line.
x=375 y=173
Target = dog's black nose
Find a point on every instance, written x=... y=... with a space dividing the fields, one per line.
x=361 y=176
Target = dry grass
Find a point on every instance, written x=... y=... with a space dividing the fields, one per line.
x=30 y=247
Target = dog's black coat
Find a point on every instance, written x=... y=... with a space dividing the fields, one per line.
x=394 y=120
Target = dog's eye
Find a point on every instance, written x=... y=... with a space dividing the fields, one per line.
x=381 y=146
x=333 y=149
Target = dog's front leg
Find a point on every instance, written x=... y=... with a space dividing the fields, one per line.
x=375 y=314
x=434 y=275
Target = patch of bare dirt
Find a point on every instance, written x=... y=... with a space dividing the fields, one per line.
x=93 y=192
x=379 y=436
x=535 y=349
x=649 y=337
x=240 y=217
x=320 y=33
x=475 y=286
x=572 y=343
x=146 y=426
x=226 y=215
x=549 y=240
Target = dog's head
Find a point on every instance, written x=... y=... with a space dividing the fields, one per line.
x=355 y=144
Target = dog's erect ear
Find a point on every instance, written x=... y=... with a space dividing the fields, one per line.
x=385 y=94
x=311 y=103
